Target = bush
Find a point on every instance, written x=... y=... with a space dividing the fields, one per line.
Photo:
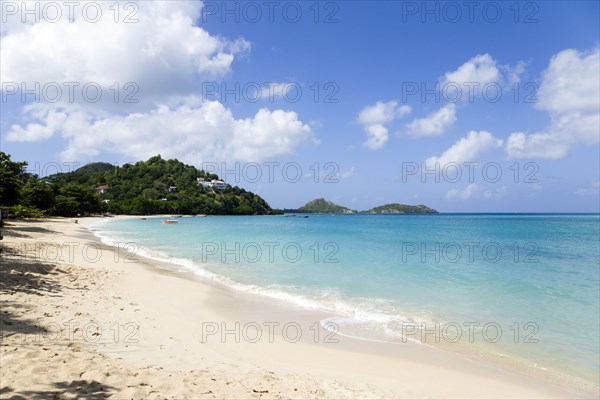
x=22 y=212
x=243 y=210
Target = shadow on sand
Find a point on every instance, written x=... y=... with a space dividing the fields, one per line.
x=81 y=389
x=21 y=274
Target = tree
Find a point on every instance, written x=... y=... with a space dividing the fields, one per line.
x=73 y=199
x=243 y=210
x=36 y=193
x=11 y=175
x=66 y=206
x=141 y=187
x=142 y=206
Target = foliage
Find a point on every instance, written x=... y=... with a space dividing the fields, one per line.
x=396 y=208
x=26 y=196
x=158 y=186
x=11 y=175
x=324 y=206
x=22 y=212
x=37 y=193
x=73 y=199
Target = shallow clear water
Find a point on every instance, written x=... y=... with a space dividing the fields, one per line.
x=525 y=286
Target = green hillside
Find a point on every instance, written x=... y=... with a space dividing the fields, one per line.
x=159 y=186
x=396 y=208
x=324 y=206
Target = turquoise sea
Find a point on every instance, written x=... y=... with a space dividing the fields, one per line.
x=525 y=287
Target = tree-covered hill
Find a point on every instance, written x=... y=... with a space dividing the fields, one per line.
x=81 y=175
x=324 y=206
x=396 y=208
x=159 y=186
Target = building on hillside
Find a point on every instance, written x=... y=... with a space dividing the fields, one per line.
x=101 y=189
x=212 y=183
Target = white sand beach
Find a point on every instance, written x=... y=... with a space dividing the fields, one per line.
x=81 y=319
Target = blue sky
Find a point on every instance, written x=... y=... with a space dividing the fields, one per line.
x=369 y=135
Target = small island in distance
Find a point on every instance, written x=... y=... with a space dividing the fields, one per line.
x=322 y=206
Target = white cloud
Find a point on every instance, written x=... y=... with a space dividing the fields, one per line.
x=276 y=90
x=477 y=75
x=382 y=113
x=480 y=69
x=194 y=134
x=433 y=124
x=537 y=145
x=498 y=193
x=569 y=82
x=164 y=53
x=348 y=173
x=268 y=135
x=473 y=190
x=513 y=74
x=535 y=186
x=570 y=93
x=34 y=132
x=377 y=136
x=467 y=148
x=374 y=118
x=168 y=57
x=464 y=194
x=592 y=190
x=481 y=75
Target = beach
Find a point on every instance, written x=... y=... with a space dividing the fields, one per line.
x=81 y=318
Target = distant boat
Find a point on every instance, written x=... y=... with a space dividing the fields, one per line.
x=143 y=219
x=169 y=221
x=201 y=215
x=178 y=216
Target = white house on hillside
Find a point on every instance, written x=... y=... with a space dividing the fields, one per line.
x=101 y=189
x=212 y=183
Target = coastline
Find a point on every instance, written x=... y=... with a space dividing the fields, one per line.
x=157 y=335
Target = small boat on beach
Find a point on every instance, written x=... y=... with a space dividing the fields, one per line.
x=169 y=221
x=142 y=219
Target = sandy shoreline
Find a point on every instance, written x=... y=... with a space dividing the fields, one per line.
x=121 y=326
